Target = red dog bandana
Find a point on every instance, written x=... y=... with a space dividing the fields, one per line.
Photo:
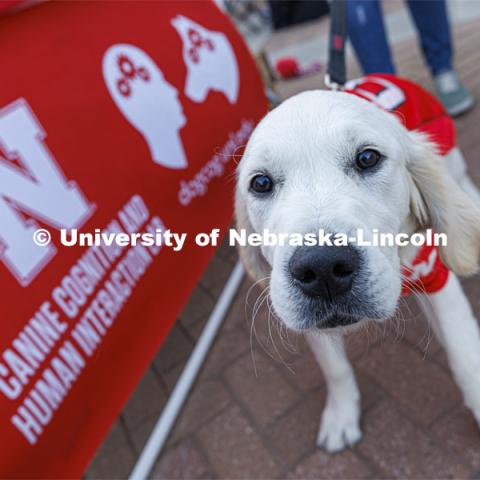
x=418 y=110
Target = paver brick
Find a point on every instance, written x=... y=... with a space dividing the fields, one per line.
x=115 y=458
x=216 y=275
x=293 y=435
x=205 y=401
x=147 y=400
x=459 y=431
x=234 y=449
x=181 y=462
x=175 y=350
x=267 y=394
x=399 y=449
x=420 y=386
x=199 y=306
x=323 y=466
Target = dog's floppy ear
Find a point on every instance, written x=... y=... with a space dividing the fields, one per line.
x=437 y=202
x=252 y=258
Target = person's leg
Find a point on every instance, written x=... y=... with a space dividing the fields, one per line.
x=281 y=13
x=431 y=20
x=366 y=32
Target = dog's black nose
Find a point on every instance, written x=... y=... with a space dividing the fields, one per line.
x=324 y=271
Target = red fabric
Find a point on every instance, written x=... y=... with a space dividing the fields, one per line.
x=427 y=273
x=418 y=110
x=62 y=97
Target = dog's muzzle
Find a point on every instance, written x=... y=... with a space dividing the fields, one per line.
x=326 y=273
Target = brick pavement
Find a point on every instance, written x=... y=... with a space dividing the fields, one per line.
x=254 y=411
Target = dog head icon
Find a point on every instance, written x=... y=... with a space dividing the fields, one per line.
x=148 y=102
x=210 y=60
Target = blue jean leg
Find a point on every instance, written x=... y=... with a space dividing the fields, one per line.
x=431 y=20
x=366 y=32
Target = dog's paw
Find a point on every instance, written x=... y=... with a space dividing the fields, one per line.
x=340 y=427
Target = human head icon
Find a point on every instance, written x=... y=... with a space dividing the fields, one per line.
x=210 y=61
x=148 y=102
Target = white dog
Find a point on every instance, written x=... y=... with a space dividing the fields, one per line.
x=333 y=161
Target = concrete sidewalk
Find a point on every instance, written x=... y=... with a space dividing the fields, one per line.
x=254 y=411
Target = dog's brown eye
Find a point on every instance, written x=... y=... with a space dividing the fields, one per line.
x=261 y=184
x=367 y=159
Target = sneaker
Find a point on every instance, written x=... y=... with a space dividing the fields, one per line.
x=450 y=91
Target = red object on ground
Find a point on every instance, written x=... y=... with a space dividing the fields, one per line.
x=121 y=117
x=418 y=110
x=288 y=67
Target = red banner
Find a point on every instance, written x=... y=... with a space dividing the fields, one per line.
x=115 y=117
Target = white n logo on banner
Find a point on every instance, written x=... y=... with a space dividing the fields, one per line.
x=38 y=191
